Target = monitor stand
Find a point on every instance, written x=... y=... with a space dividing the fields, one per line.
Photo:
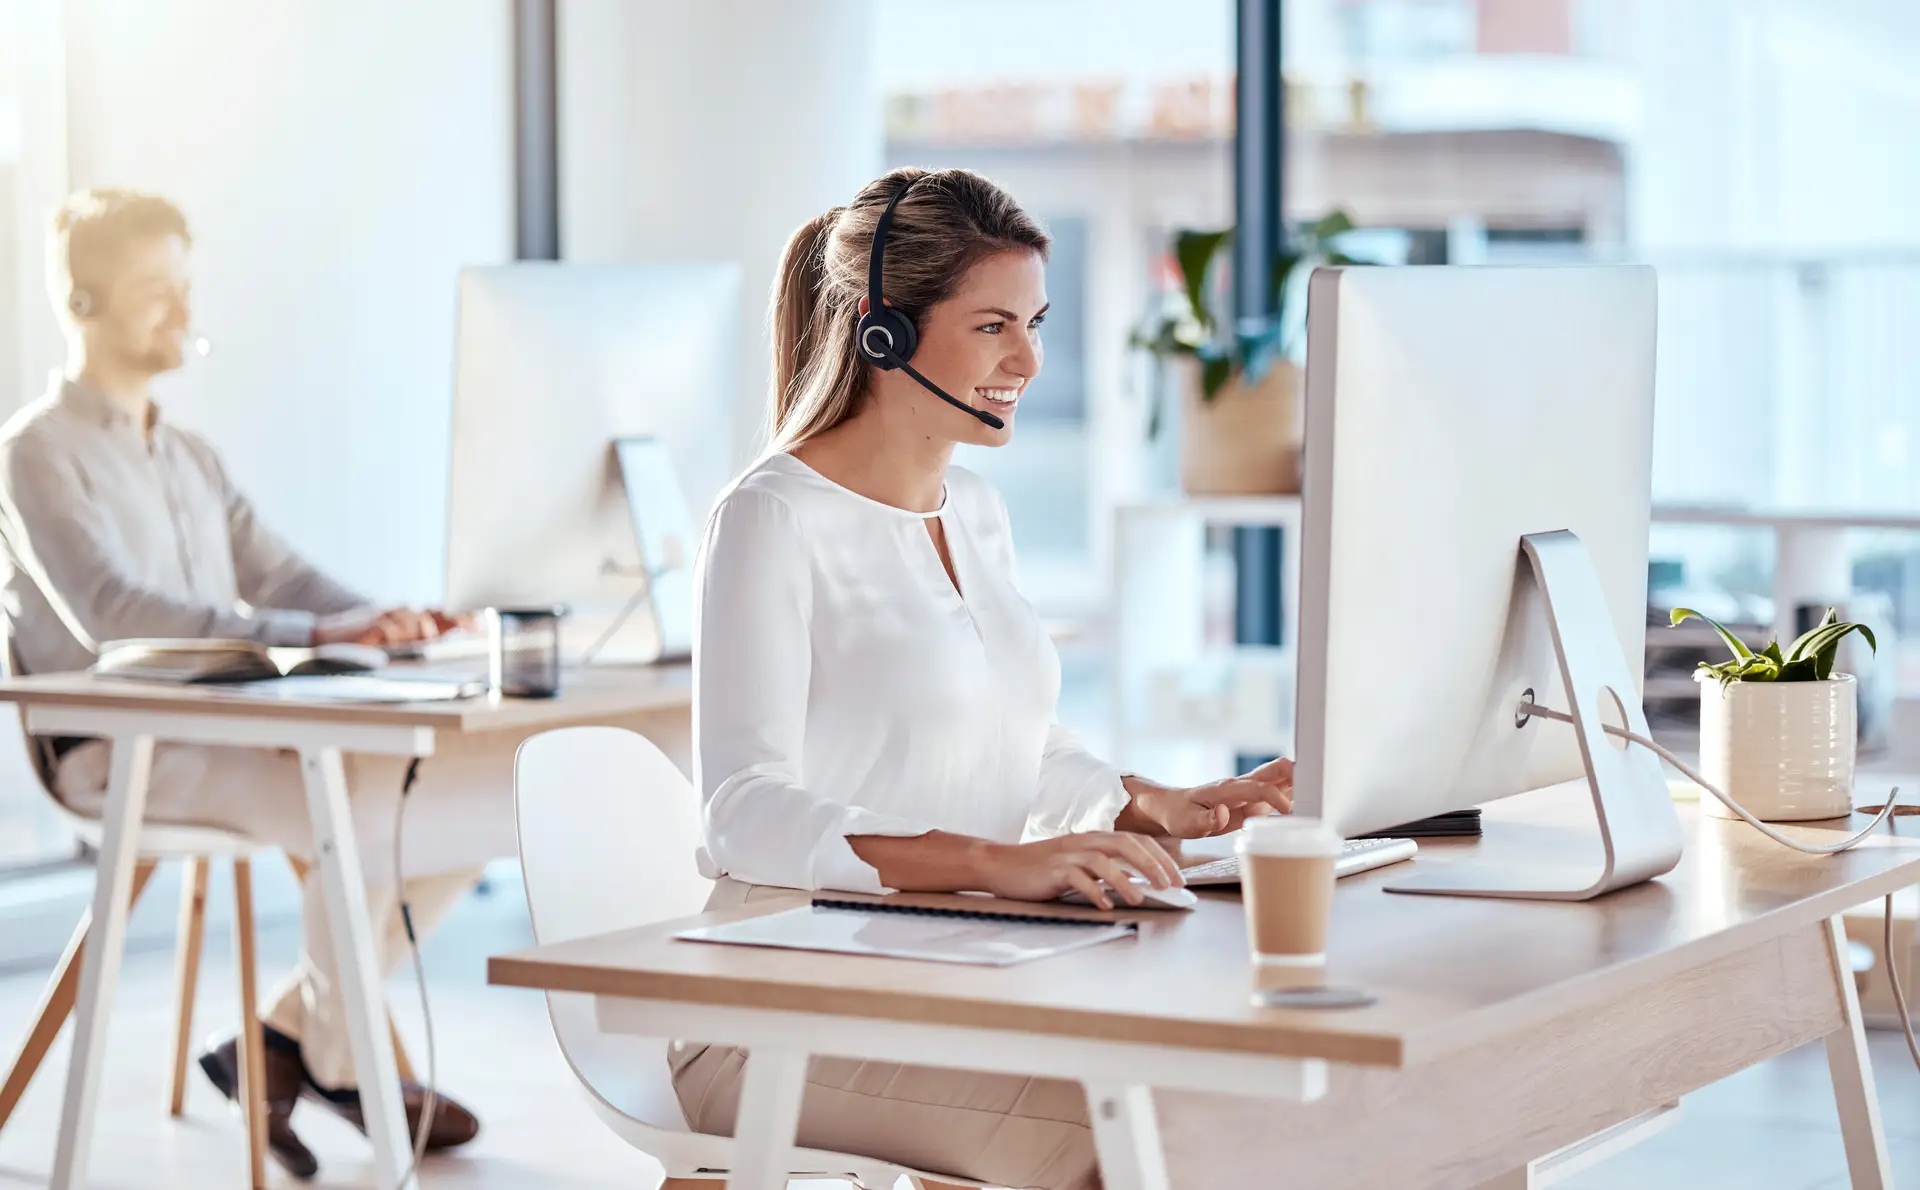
x=1639 y=830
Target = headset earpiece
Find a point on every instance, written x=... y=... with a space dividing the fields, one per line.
x=81 y=303
x=887 y=337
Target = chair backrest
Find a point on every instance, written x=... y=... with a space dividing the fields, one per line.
x=39 y=754
x=608 y=828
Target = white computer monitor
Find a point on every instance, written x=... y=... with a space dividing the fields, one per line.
x=556 y=364
x=1451 y=413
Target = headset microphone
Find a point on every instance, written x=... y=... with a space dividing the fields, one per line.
x=887 y=337
x=887 y=360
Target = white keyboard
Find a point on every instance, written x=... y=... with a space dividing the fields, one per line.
x=1356 y=856
x=458 y=645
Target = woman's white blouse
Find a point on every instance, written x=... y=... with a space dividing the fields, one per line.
x=843 y=686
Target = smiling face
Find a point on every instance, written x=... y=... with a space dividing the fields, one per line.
x=140 y=314
x=982 y=345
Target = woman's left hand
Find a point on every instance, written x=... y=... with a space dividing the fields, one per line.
x=1216 y=807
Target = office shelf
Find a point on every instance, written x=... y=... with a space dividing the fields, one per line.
x=1159 y=605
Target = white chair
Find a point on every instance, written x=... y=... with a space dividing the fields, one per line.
x=608 y=828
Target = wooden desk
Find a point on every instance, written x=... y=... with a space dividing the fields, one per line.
x=1507 y=1033
x=135 y=715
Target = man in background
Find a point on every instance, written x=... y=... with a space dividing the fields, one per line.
x=120 y=524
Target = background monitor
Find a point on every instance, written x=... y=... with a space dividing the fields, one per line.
x=556 y=363
x=664 y=527
x=1449 y=412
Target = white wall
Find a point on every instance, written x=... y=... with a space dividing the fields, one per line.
x=33 y=74
x=710 y=131
x=339 y=160
x=1776 y=124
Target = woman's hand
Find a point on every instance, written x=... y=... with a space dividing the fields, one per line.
x=1211 y=809
x=1078 y=863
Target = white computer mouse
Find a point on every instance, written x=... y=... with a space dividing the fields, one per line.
x=1156 y=898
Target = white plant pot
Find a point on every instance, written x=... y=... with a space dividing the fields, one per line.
x=1783 y=750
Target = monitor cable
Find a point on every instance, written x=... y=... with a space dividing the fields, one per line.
x=1530 y=708
x=432 y=1102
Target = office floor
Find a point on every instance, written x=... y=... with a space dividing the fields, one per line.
x=1771 y=1128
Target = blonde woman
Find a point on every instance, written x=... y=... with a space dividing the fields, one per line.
x=874 y=700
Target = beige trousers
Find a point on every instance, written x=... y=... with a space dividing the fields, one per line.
x=459 y=816
x=999 y=1129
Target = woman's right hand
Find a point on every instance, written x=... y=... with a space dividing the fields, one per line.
x=1050 y=868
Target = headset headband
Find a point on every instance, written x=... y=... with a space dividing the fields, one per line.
x=877 y=260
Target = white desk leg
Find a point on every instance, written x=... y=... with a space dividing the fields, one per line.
x=100 y=965
x=1126 y=1136
x=1852 y=1072
x=769 y=1117
x=344 y=888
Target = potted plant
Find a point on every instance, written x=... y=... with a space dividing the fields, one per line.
x=1239 y=388
x=1777 y=729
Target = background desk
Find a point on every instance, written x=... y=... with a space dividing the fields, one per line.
x=135 y=716
x=1506 y=1031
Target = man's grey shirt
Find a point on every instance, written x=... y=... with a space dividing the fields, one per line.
x=115 y=532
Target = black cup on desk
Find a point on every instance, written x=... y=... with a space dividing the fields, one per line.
x=525 y=658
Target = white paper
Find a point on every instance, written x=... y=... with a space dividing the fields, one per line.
x=939 y=939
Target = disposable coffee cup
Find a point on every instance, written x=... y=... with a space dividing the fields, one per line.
x=1286 y=881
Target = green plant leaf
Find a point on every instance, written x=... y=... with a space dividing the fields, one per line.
x=1772 y=653
x=1723 y=673
x=1804 y=669
x=1830 y=652
x=1194 y=251
x=1799 y=646
x=1215 y=371
x=1283 y=266
x=1738 y=647
x=1333 y=223
x=1825 y=640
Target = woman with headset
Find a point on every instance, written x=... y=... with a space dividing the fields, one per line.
x=873 y=698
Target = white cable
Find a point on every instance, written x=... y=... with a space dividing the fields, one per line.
x=1899 y=993
x=673 y=557
x=620 y=620
x=432 y=1101
x=1530 y=708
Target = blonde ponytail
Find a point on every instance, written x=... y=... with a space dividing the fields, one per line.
x=796 y=296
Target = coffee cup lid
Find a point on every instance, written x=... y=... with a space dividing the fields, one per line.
x=1284 y=834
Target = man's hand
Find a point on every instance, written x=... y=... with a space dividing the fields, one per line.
x=394 y=626
x=1211 y=809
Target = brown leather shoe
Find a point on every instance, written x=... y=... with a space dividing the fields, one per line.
x=453 y=1125
x=285 y=1073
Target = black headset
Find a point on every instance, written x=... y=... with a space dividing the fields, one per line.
x=887 y=336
